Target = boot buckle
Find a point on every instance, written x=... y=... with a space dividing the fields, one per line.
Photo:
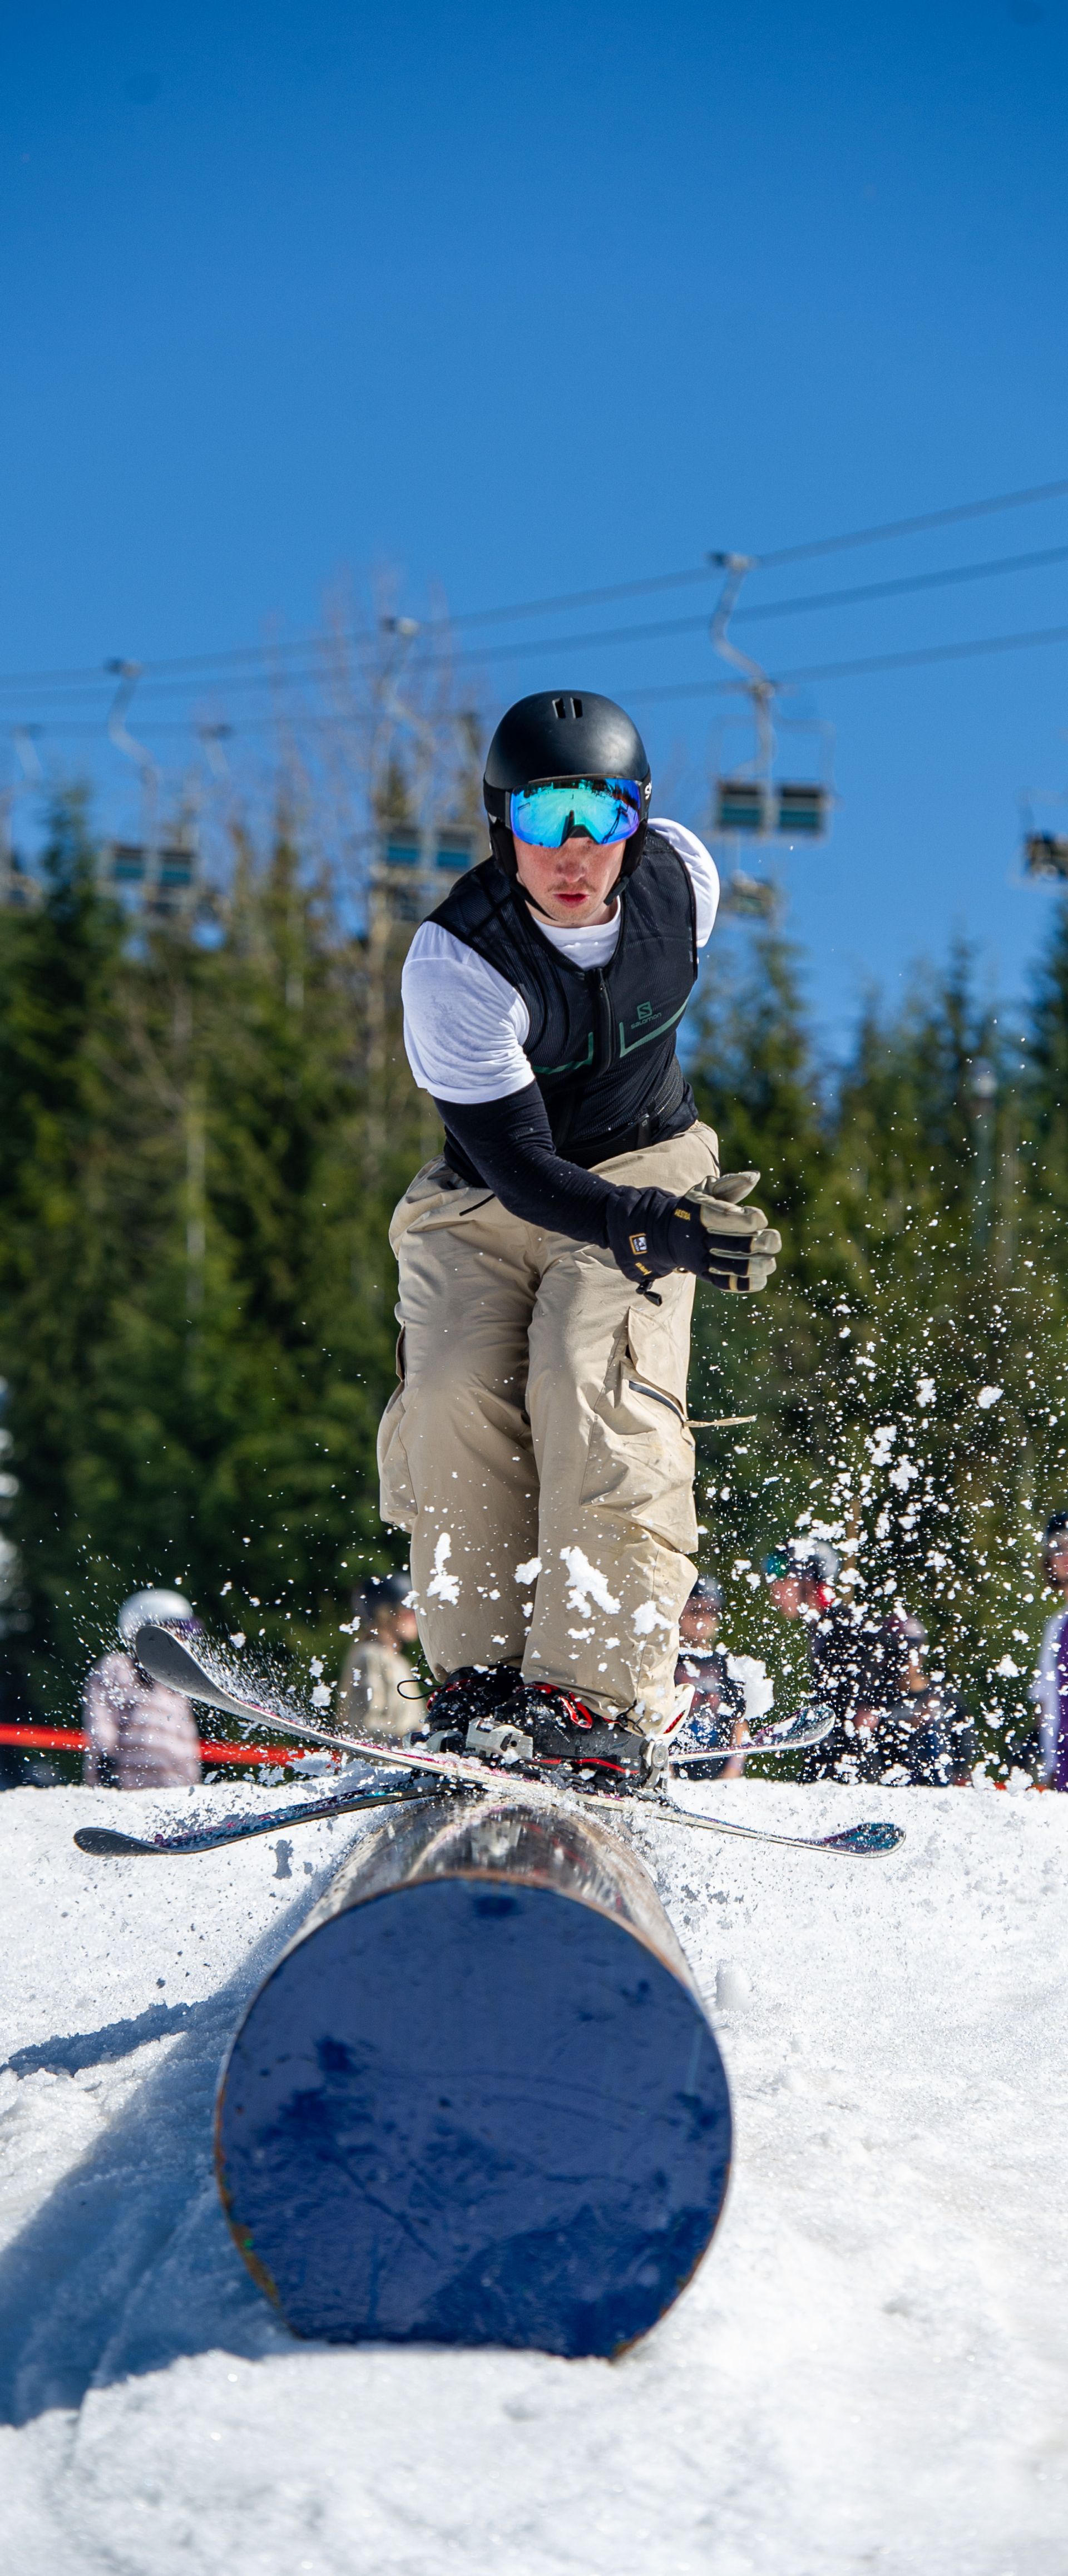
x=503 y=1743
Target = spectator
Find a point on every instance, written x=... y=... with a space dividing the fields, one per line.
x=716 y=1716
x=857 y=1660
x=1050 y=1685
x=927 y=1734
x=383 y=1622
x=141 y=1735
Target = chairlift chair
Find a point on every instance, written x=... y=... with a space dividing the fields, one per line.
x=747 y=898
x=1045 y=854
x=751 y=800
x=415 y=869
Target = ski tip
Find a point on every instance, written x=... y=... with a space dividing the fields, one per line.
x=865 y=1838
x=100 y=1840
x=164 y=1656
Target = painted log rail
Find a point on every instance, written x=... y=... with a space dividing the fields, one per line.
x=478 y=2099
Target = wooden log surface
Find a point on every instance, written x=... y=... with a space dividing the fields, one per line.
x=478 y=2099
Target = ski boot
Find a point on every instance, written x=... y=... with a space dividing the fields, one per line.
x=465 y=1698
x=547 y=1729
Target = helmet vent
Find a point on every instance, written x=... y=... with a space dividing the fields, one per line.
x=559 y=706
x=576 y=706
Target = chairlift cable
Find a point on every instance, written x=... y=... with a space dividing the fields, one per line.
x=276 y=653
x=867 y=663
x=813 y=600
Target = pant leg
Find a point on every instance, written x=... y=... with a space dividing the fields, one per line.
x=455 y=1447
x=615 y=1459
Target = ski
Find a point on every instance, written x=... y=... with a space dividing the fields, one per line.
x=792 y=1735
x=169 y=1660
x=103 y=1842
x=853 y=1841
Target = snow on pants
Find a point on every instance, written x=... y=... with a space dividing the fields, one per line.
x=537 y=1446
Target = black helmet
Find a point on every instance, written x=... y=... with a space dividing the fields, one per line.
x=707 y=1594
x=383 y=1592
x=554 y=736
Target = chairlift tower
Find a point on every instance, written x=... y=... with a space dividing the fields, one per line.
x=160 y=875
x=752 y=803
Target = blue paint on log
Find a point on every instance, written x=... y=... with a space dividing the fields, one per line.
x=470 y=2113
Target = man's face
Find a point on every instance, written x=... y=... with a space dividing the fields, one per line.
x=1057 y=1561
x=698 y=1625
x=570 y=884
x=916 y=1677
x=793 y=1593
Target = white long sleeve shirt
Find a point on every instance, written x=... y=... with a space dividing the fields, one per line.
x=465 y=1026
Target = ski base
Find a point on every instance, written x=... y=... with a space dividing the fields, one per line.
x=793 y=1735
x=854 y=1840
x=104 y=1842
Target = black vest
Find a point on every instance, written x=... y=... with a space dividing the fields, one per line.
x=601 y=1042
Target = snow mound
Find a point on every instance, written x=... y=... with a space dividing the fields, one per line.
x=869 y=2370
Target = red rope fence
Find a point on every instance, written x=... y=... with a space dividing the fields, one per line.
x=70 y=1739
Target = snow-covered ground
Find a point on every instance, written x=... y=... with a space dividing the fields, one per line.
x=869 y=2372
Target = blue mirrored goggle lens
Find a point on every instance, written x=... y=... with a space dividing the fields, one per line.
x=605 y=809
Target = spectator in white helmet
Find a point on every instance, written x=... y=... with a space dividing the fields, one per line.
x=141 y=1735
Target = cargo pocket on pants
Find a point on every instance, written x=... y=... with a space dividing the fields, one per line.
x=396 y=1492
x=640 y=1462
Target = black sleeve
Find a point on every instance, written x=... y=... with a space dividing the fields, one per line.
x=510 y=1143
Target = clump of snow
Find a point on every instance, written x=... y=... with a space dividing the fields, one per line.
x=647 y=1617
x=587 y=1584
x=869 y=2371
x=443 y=1586
x=987 y=1396
x=925 y=1391
x=529 y=1572
x=903 y=1475
x=756 y=1681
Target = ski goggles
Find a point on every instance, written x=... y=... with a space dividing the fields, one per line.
x=548 y=814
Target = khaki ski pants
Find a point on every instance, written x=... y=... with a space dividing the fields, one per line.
x=537 y=1446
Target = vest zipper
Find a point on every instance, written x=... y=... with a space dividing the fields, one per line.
x=603 y=1021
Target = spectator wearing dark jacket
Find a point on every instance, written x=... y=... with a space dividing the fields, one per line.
x=927 y=1733
x=857 y=1659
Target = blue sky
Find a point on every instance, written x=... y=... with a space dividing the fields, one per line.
x=526 y=300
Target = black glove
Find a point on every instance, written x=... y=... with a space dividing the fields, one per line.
x=707 y=1232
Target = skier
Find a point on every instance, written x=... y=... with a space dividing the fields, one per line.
x=537 y=1447
x=376 y=1672
x=1050 y=1685
x=141 y=1735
